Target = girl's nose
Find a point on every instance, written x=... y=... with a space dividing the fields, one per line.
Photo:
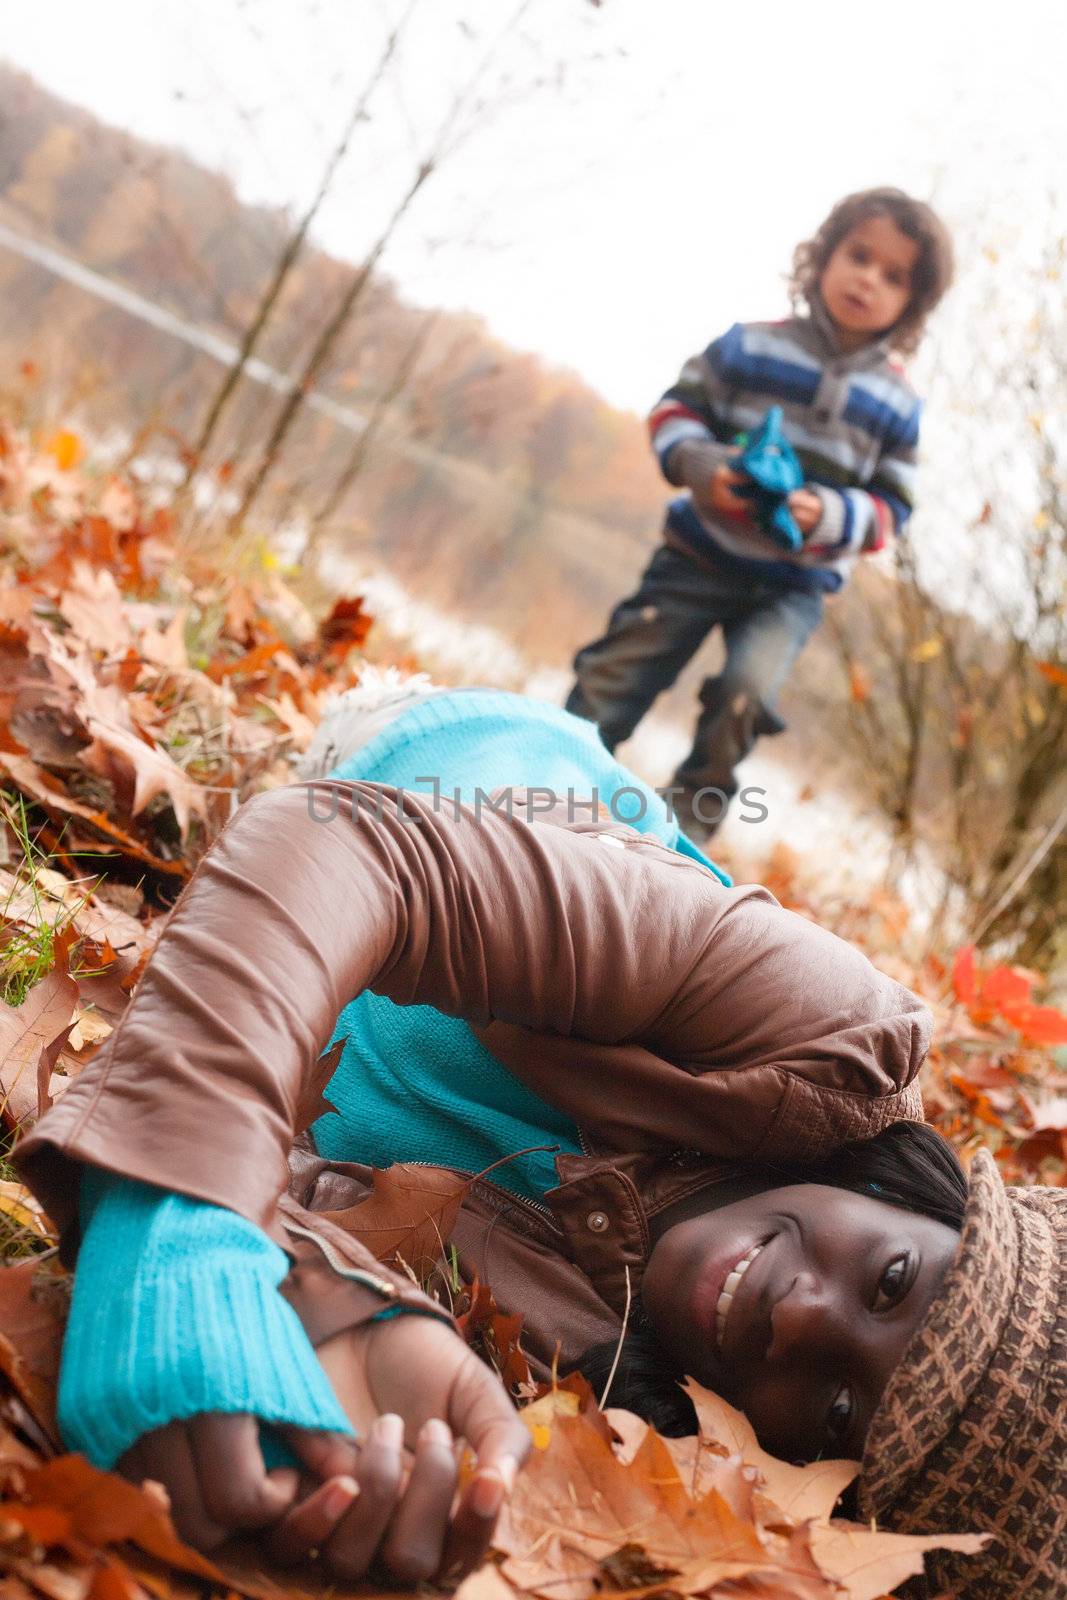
x=807 y=1324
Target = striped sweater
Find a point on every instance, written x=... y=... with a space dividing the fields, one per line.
x=852 y=418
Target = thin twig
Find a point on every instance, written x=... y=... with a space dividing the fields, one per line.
x=1025 y=872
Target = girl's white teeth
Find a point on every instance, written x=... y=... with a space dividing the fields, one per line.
x=729 y=1289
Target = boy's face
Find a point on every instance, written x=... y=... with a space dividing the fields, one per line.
x=866 y=284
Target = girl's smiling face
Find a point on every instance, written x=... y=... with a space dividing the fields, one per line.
x=797 y=1305
x=866 y=284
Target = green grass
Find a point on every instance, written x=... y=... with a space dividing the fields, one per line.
x=28 y=956
x=29 y=952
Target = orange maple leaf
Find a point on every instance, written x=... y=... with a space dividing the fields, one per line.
x=66 y=449
x=1053 y=672
x=1039 y=1025
x=1006 y=987
x=964 y=981
x=579 y=1504
x=345 y=629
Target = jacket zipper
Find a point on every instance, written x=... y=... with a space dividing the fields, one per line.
x=537 y=1206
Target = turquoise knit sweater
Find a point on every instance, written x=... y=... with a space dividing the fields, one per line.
x=167 y=1288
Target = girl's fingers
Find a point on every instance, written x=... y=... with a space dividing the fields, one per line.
x=481 y=1411
x=501 y=1442
x=324 y=1454
x=236 y=1489
x=473 y=1523
x=165 y=1455
x=311 y=1524
x=419 y=1531
x=353 y=1545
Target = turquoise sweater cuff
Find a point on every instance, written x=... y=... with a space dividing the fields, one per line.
x=176 y=1311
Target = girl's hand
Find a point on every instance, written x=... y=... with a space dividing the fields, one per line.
x=212 y=1469
x=410 y=1386
x=806 y=508
x=420 y=1371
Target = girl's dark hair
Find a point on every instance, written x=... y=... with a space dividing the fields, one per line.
x=932 y=273
x=908 y=1165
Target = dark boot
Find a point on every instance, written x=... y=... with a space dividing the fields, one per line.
x=732 y=718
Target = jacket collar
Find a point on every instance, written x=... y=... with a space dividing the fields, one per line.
x=604 y=1207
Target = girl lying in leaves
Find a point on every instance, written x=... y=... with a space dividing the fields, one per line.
x=735 y=1167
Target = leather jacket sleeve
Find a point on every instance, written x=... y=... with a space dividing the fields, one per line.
x=335 y=1284
x=318 y=891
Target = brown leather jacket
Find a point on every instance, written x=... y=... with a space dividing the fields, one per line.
x=620 y=981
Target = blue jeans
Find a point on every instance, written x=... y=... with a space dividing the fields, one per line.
x=653 y=634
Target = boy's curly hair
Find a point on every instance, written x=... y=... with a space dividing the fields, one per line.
x=933 y=268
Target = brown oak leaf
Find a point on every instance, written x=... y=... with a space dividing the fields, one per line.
x=27 y=1032
x=409 y=1216
x=869 y=1563
x=798 y=1492
x=34 y=1298
x=579 y=1504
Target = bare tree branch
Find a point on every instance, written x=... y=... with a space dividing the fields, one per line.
x=293 y=247
x=450 y=126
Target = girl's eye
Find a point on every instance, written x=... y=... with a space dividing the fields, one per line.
x=839 y=1416
x=892 y=1283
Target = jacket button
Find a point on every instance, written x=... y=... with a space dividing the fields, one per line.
x=597 y=1221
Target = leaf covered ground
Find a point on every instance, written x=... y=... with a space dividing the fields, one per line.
x=146 y=689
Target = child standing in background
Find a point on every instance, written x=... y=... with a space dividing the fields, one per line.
x=868 y=280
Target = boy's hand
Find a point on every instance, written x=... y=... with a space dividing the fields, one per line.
x=806 y=508
x=726 y=493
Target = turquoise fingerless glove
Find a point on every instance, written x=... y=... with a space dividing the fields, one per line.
x=176 y=1311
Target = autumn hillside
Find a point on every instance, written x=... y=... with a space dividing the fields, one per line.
x=505 y=448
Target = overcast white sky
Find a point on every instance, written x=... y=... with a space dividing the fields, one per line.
x=618 y=219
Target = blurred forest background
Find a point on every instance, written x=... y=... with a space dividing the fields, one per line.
x=279 y=397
